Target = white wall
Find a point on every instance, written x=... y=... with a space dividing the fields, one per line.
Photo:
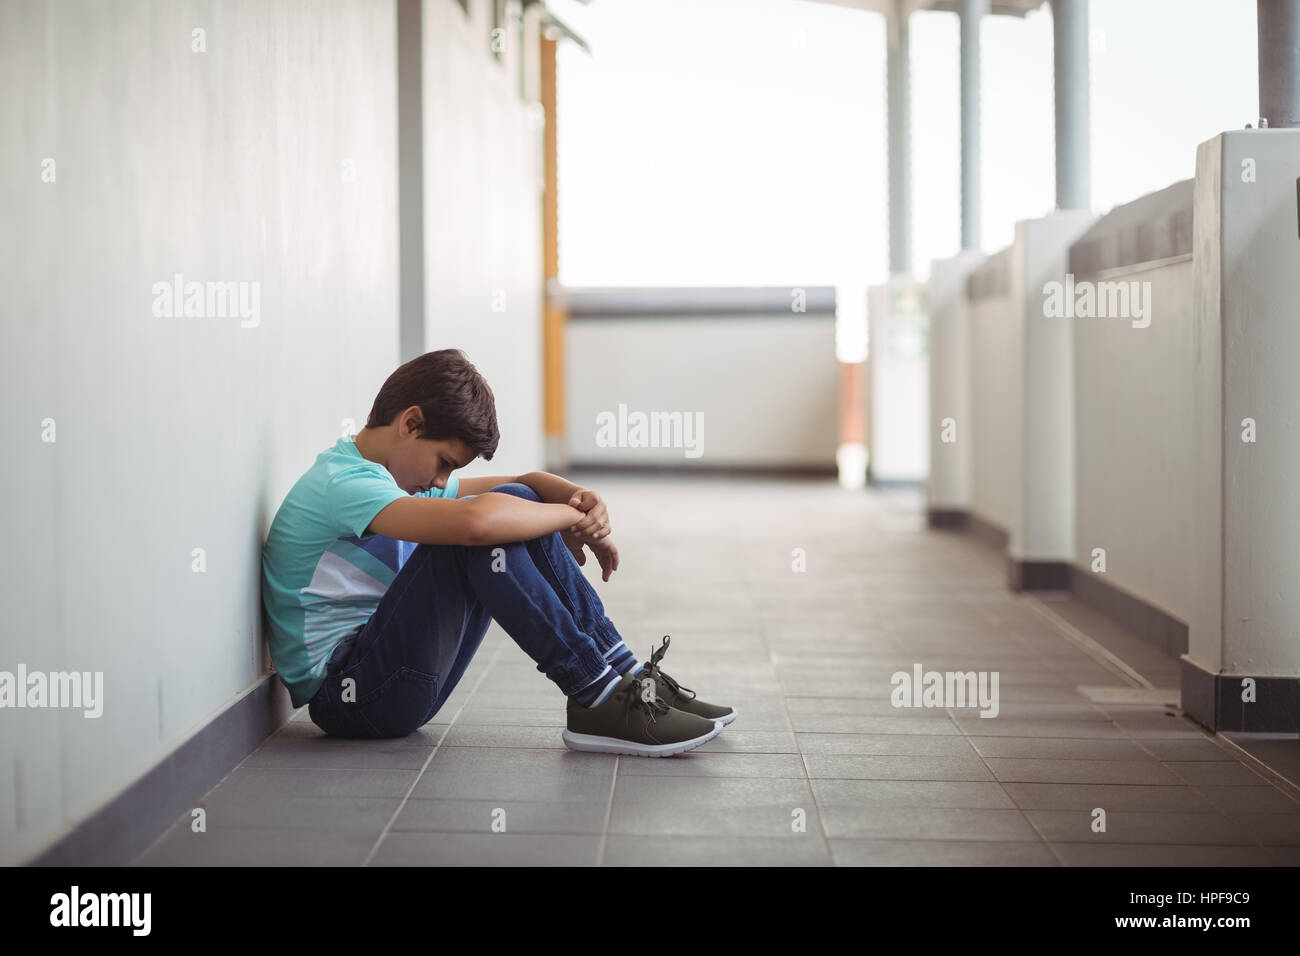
x=181 y=433
x=483 y=183
x=996 y=397
x=767 y=387
x=184 y=433
x=1147 y=412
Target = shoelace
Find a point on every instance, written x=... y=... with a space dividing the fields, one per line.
x=643 y=695
x=655 y=657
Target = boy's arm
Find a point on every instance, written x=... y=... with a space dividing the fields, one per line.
x=488 y=518
x=550 y=488
x=476 y=486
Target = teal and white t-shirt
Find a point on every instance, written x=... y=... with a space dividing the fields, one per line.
x=322 y=575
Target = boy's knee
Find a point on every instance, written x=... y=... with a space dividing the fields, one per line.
x=518 y=489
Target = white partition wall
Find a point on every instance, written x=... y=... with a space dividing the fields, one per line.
x=948 y=487
x=995 y=351
x=762 y=390
x=1148 y=448
x=1147 y=412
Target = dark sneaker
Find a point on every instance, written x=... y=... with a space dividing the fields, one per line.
x=634 y=720
x=682 y=698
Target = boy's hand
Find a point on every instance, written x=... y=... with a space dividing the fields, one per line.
x=607 y=555
x=604 y=550
x=595 y=525
x=593 y=531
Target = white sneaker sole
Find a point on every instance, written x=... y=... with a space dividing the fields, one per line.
x=612 y=745
x=723 y=721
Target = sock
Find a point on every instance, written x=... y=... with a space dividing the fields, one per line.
x=595 y=693
x=621 y=659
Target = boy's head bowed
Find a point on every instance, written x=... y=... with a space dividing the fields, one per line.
x=455 y=400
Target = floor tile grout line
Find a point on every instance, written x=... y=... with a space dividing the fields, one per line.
x=1096 y=708
x=712 y=754
x=803 y=762
x=1113 y=663
x=1270 y=775
x=1001 y=786
x=731 y=776
x=1199 y=790
x=742 y=837
x=480 y=688
x=1272 y=778
x=883 y=806
x=420 y=775
x=609 y=810
x=168 y=829
x=1057 y=841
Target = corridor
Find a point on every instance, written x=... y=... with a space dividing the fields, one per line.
x=819 y=768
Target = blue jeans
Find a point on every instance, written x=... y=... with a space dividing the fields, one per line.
x=408 y=657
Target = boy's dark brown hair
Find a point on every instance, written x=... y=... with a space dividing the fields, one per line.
x=454 y=398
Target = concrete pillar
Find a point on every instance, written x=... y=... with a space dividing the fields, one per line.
x=1244 y=675
x=1041 y=539
x=1070 y=32
x=900 y=146
x=972 y=13
x=1279 y=62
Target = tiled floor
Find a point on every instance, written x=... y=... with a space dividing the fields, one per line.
x=819 y=767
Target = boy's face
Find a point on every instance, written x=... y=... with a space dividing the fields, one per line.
x=418 y=464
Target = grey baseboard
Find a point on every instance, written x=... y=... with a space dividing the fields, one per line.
x=1038 y=575
x=956 y=519
x=1132 y=613
x=1140 y=618
x=1199 y=693
x=946 y=518
x=1214 y=701
x=124 y=827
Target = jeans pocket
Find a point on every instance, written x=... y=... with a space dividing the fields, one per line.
x=400 y=705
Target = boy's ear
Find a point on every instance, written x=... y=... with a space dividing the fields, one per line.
x=412 y=419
